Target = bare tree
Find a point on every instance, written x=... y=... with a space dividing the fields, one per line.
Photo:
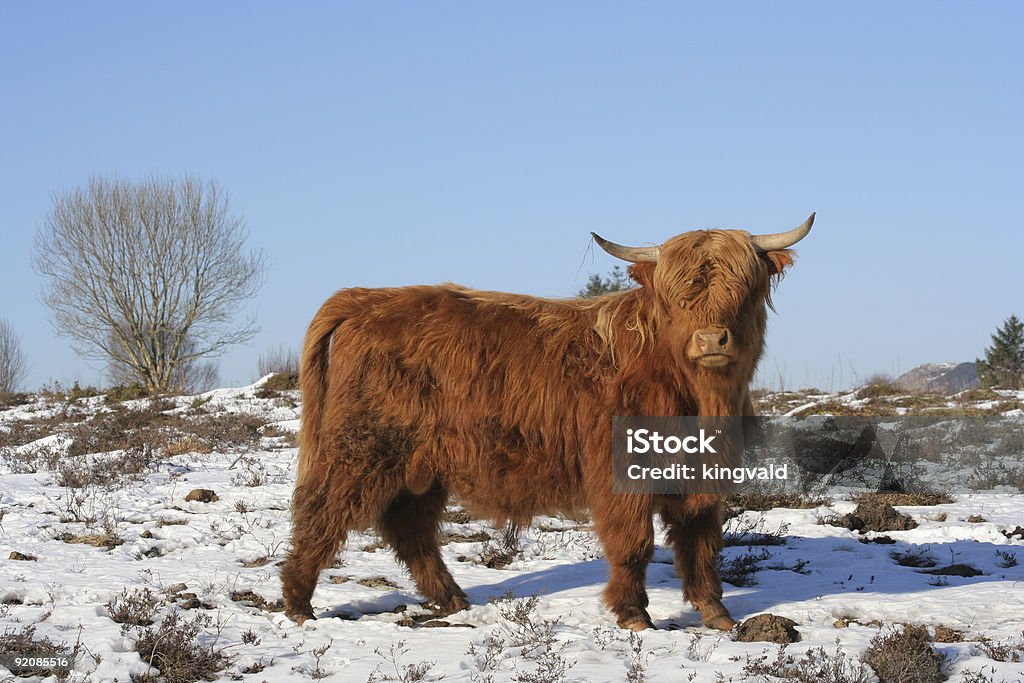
x=194 y=375
x=148 y=276
x=12 y=361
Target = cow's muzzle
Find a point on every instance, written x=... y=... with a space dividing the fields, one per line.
x=712 y=347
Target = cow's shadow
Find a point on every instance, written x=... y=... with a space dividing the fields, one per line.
x=803 y=569
x=845 y=567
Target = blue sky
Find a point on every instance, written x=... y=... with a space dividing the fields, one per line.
x=397 y=143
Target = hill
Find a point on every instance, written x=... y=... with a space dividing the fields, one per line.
x=940 y=378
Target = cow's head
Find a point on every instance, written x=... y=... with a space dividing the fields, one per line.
x=710 y=290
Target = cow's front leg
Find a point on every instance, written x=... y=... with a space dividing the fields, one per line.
x=694 y=529
x=627 y=534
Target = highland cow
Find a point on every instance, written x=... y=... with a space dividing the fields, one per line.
x=413 y=395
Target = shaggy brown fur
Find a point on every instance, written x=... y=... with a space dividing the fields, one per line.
x=415 y=394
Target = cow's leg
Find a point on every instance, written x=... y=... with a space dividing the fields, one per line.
x=694 y=530
x=317 y=531
x=410 y=525
x=627 y=535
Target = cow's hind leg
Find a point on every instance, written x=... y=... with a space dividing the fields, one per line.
x=694 y=530
x=410 y=525
x=317 y=531
x=628 y=539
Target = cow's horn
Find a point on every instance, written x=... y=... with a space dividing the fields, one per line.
x=783 y=240
x=631 y=254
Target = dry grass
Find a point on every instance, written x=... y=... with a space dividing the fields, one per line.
x=10 y=400
x=882 y=398
x=121 y=444
x=762 y=502
x=379 y=582
x=977 y=395
x=839 y=409
x=106 y=539
x=899 y=498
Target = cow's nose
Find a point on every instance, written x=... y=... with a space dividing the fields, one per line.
x=714 y=340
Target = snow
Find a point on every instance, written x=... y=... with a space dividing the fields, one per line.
x=216 y=548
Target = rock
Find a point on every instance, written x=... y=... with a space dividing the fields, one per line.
x=767 y=628
x=202 y=496
x=435 y=623
x=249 y=598
x=15 y=555
x=874 y=515
x=176 y=588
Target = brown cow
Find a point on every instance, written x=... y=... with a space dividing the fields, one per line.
x=505 y=401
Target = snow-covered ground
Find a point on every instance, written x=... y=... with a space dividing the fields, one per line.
x=221 y=558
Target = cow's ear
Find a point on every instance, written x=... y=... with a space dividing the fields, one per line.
x=779 y=260
x=642 y=273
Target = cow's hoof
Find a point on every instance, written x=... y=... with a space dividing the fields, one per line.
x=456 y=604
x=723 y=622
x=639 y=625
x=637 y=620
x=300 y=617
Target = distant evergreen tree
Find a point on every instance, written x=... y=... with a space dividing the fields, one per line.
x=616 y=281
x=1003 y=366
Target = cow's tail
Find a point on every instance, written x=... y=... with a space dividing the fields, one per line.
x=313 y=379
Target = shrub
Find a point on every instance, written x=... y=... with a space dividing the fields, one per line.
x=135 y=608
x=177 y=649
x=740 y=570
x=26 y=644
x=280 y=381
x=879 y=386
x=522 y=632
x=404 y=673
x=815 y=666
x=905 y=656
x=125 y=392
x=1006 y=651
